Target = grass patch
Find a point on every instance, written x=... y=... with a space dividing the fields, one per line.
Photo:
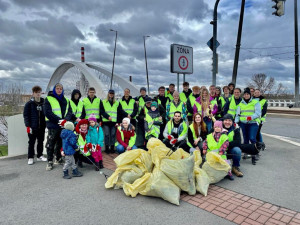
x=3 y=150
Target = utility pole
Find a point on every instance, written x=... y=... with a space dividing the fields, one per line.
x=238 y=44
x=112 y=71
x=214 y=22
x=296 y=56
x=146 y=63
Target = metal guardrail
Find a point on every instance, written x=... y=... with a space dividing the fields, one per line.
x=280 y=103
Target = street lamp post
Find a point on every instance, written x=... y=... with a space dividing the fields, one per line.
x=146 y=62
x=296 y=56
x=214 y=22
x=113 y=66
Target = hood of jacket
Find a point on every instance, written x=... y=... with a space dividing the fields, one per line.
x=74 y=92
x=66 y=133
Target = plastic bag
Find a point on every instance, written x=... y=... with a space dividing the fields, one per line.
x=159 y=185
x=198 y=158
x=128 y=157
x=144 y=162
x=154 y=142
x=179 y=154
x=202 y=181
x=158 y=153
x=139 y=185
x=215 y=167
x=181 y=172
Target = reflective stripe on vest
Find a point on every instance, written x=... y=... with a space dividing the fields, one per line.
x=55 y=106
x=170 y=127
x=128 y=108
x=92 y=108
x=154 y=129
x=141 y=103
x=81 y=143
x=173 y=109
x=232 y=107
x=183 y=97
x=191 y=127
x=262 y=103
x=169 y=95
x=192 y=101
x=131 y=140
x=248 y=110
x=213 y=145
x=199 y=108
x=77 y=110
x=112 y=111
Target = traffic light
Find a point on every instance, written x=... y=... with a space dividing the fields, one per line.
x=279 y=6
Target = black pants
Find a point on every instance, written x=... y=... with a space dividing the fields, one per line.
x=180 y=144
x=86 y=159
x=54 y=144
x=39 y=135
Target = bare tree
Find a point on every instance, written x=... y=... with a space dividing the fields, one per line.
x=3 y=129
x=280 y=90
x=262 y=82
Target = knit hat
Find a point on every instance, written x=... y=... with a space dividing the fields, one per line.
x=111 y=91
x=69 y=126
x=218 y=124
x=231 y=84
x=93 y=118
x=247 y=90
x=143 y=89
x=228 y=117
x=148 y=99
x=126 y=119
x=154 y=104
x=83 y=121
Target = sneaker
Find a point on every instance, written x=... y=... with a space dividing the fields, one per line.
x=236 y=171
x=41 y=159
x=30 y=161
x=49 y=166
x=229 y=176
x=58 y=162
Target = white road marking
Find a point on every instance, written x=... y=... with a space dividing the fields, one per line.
x=282 y=138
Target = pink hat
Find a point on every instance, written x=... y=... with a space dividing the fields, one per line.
x=218 y=124
x=93 y=118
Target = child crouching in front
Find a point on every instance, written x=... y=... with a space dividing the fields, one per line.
x=94 y=140
x=69 y=143
x=218 y=142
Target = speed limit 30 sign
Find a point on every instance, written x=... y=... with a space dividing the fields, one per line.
x=181 y=59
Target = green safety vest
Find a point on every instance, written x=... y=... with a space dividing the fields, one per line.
x=194 y=135
x=248 y=110
x=262 y=103
x=183 y=97
x=230 y=136
x=232 y=107
x=170 y=127
x=77 y=110
x=141 y=103
x=199 y=107
x=55 y=106
x=154 y=129
x=131 y=141
x=159 y=101
x=192 y=101
x=81 y=143
x=92 y=108
x=223 y=102
x=213 y=145
x=128 y=108
x=112 y=111
x=169 y=95
x=173 y=109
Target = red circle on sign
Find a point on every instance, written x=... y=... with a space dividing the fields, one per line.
x=187 y=62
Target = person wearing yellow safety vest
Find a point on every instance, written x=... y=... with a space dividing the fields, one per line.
x=153 y=121
x=220 y=103
x=191 y=102
x=231 y=106
x=126 y=137
x=141 y=122
x=112 y=108
x=196 y=134
x=176 y=105
x=57 y=111
x=218 y=142
x=76 y=105
x=162 y=101
x=129 y=106
x=93 y=106
x=231 y=88
x=264 y=107
x=248 y=117
x=140 y=100
x=170 y=91
x=226 y=94
x=175 y=132
x=186 y=92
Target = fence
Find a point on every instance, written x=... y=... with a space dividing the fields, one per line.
x=280 y=103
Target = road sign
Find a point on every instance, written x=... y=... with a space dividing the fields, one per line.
x=210 y=44
x=181 y=59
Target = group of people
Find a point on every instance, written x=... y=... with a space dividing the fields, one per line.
x=195 y=119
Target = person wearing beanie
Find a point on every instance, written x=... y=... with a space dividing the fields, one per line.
x=94 y=140
x=129 y=106
x=76 y=105
x=231 y=87
x=231 y=106
x=35 y=123
x=174 y=106
x=126 y=137
x=69 y=146
x=191 y=101
x=140 y=100
x=153 y=121
x=220 y=102
x=57 y=111
x=218 y=142
x=264 y=107
x=170 y=91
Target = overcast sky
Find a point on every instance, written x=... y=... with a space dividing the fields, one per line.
x=38 y=35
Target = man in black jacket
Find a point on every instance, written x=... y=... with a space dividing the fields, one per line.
x=57 y=111
x=34 y=120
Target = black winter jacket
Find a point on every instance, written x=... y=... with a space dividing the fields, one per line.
x=52 y=123
x=33 y=114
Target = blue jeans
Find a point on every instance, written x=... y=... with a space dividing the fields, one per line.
x=120 y=148
x=249 y=132
x=208 y=123
x=235 y=154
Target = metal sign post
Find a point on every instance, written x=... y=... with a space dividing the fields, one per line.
x=178 y=82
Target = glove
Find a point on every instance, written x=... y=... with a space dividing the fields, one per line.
x=62 y=123
x=98 y=147
x=89 y=145
x=170 y=137
x=29 y=130
x=236 y=125
x=85 y=149
x=249 y=118
x=173 y=142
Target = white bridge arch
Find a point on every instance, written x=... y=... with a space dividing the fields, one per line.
x=91 y=77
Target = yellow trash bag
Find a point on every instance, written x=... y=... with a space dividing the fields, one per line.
x=198 y=158
x=144 y=162
x=126 y=173
x=181 y=172
x=128 y=157
x=202 y=181
x=154 y=142
x=215 y=167
x=158 y=153
x=139 y=185
x=179 y=154
x=159 y=185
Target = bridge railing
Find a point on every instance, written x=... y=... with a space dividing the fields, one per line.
x=280 y=102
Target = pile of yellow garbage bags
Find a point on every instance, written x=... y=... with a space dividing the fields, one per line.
x=160 y=172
